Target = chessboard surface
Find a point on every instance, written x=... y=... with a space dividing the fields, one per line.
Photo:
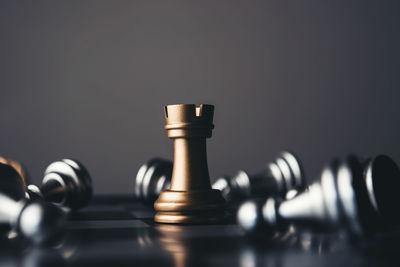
x=120 y=231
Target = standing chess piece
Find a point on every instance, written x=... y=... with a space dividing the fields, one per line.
x=349 y=195
x=37 y=221
x=66 y=183
x=190 y=198
x=279 y=176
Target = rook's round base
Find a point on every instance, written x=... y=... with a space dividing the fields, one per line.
x=190 y=207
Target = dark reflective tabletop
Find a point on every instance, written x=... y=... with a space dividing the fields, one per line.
x=117 y=230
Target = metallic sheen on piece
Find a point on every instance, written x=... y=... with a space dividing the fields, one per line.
x=35 y=220
x=65 y=182
x=152 y=178
x=279 y=177
x=284 y=176
x=190 y=199
x=357 y=197
x=18 y=167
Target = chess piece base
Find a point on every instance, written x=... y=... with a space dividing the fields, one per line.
x=190 y=207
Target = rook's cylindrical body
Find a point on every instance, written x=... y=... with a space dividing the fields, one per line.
x=190 y=198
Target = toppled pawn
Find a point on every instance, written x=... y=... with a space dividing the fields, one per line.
x=37 y=221
x=280 y=176
x=66 y=183
x=351 y=196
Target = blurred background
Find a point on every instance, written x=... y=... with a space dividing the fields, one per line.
x=89 y=79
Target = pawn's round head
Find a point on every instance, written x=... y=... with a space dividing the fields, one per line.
x=40 y=221
x=257 y=218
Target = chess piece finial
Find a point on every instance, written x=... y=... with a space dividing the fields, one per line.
x=190 y=198
x=346 y=196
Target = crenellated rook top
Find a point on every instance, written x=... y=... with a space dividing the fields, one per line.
x=187 y=120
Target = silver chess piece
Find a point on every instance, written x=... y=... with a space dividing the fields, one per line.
x=277 y=178
x=66 y=183
x=350 y=195
x=38 y=221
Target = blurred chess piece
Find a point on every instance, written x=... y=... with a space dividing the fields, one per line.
x=190 y=198
x=152 y=178
x=11 y=183
x=352 y=196
x=21 y=170
x=279 y=177
x=12 y=187
x=37 y=221
x=66 y=182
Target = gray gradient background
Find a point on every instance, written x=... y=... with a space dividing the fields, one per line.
x=88 y=80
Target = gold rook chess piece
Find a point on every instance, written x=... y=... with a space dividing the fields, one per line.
x=190 y=199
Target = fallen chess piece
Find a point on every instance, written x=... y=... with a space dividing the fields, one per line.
x=11 y=183
x=350 y=195
x=152 y=178
x=23 y=174
x=278 y=177
x=66 y=183
x=37 y=221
